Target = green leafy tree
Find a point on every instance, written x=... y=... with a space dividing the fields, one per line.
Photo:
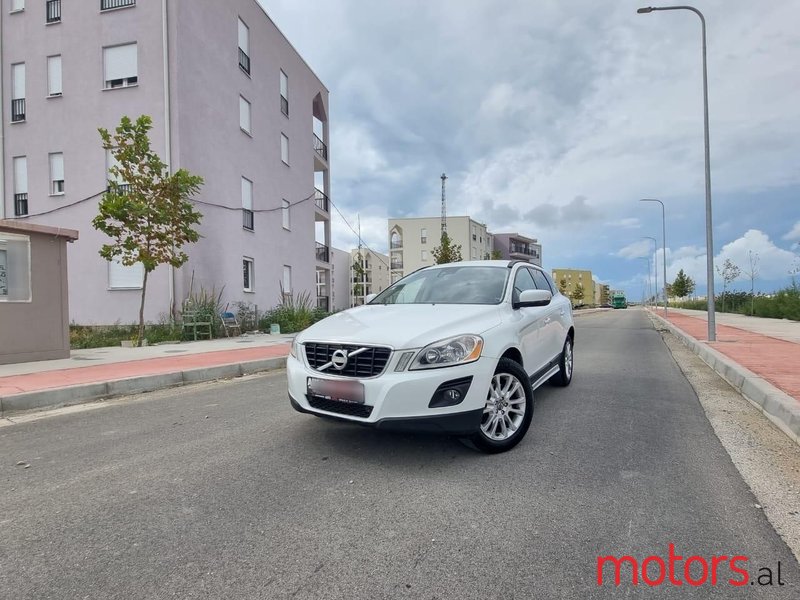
x=680 y=287
x=578 y=293
x=146 y=211
x=447 y=252
x=562 y=287
x=729 y=272
x=497 y=255
x=358 y=276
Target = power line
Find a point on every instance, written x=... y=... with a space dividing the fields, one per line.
x=358 y=235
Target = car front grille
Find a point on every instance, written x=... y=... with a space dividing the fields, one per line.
x=369 y=363
x=342 y=408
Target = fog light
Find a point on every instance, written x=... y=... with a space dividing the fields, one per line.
x=450 y=393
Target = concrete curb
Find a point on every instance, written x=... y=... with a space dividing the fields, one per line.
x=778 y=406
x=589 y=311
x=90 y=392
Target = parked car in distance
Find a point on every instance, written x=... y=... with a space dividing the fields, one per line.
x=457 y=348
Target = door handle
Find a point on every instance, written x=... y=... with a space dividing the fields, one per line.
x=562 y=312
x=547 y=320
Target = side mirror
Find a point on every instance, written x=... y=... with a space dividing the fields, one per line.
x=370 y=298
x=533 y=298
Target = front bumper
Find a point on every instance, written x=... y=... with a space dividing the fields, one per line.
x=400 y=400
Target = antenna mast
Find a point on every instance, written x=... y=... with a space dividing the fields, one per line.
x=444 y=206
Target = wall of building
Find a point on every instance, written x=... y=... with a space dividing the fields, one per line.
x=376 y=274
x=504 y=241
x=573 y=277
x=37 y=329
x=340 y=279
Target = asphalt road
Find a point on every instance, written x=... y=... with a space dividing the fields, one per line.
x=222 y=491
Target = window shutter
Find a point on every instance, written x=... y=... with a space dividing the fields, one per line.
x=244 y=114
x=284 y=85
x=18 y=81
x=247 y=194
x=122 y=277
x=53 y=75
x=20 y=175
x=244 y=37
x=57 y=166
x=287 y=279
x=120 y=62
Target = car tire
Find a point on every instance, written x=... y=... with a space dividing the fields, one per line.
x=509 y=404
x=566 y=365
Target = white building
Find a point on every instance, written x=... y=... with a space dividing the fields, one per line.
x=369 y=274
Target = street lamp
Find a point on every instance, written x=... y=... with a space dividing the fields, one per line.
x=664 y=238
x=655 y=270
x=712 y=325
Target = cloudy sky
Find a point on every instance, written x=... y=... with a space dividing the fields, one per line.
x=553 y=118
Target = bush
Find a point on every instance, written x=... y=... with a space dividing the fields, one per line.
x=783 y=304
x=293 y=314
x=207 y=304
x=85 y=336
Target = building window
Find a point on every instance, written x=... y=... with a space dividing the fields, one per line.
x=244 y=114
x=17 y=92
x=53 y=11
x=287 y=279
x=15 y=268
x=120 y=66
x=247 y=204
x=111 y=4
x=248 y=283
x=284 y=94
x=424 y=255
x=56 y=174
x=285 y=214
x=423 y=236
x=244 y=47
x=20 y=186
x=53 y=76
x=122 y=277
x=17 y=5
x=284 y=149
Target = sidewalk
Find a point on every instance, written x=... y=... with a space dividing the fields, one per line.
x=758 y=357
x=105 y=372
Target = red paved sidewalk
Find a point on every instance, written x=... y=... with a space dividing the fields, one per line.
x=31 y=382
x=777 y=361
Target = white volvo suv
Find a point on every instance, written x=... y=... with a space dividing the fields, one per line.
x=455 y=348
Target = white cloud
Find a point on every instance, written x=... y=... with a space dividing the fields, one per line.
x=637 y=249
x=794 y=234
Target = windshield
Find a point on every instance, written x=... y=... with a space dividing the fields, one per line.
x=448 y=285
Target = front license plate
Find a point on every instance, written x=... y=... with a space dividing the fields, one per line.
x=341 y=391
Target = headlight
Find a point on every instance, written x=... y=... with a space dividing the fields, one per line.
x=452 y=351
x=294 y=349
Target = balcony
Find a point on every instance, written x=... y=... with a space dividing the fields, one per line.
x=323 y=253
x=244 y=61
x=20 y=205
x=53 y=11
x=111 y=4
x=122 y=189
x=396 y=244
x=521 y=249
x=285 y=106
x=367 y=278
x=17 y=110
x=320 y=148
x=248 y=220
x=397 y=265
x=321 y=200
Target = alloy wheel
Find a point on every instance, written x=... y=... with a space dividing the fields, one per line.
x=505 y=407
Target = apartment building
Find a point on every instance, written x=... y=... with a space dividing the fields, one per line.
x=412 y=240
x=514 y=246
x=230 y=99
x=369 y=274
x=568 y=281
x=339 y=292
x=602 y=293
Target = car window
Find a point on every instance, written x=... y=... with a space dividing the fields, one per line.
x=523 y=281
x=448 y=285
x=553 y=287
x=541 y=281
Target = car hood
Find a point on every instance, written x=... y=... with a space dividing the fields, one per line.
x=403 y=325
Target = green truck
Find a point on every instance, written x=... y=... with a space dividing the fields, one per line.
x=618 y=300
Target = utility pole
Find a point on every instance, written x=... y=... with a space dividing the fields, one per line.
x=444 y=206
x=361 y=259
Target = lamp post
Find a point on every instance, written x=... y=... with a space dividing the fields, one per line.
x=664 y=247
x=712 y=325
x=655 y=265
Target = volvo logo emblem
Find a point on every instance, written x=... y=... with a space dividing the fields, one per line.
x=339 y=359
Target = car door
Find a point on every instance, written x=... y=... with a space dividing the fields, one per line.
x=552 y=332
x=528 y=321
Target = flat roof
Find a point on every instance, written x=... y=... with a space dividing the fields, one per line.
x=21 y=226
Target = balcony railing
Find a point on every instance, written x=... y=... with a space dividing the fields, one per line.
x=397 y=264
x=394 y=244
x=323 y=253
x=53 y=11
x=109 y=4
x=17 y=110
x=285 y=106
x=517 y=249
x=244 y=61
x=122 y=189
x=367 y=279
x=320 y=147
x=20 y=205
x=323 y=302
x=321 y=200
x=248 y=221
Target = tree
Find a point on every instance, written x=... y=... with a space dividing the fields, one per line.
x=146 y=211
x=690 y=286
x=680 y=287
x=752 y=273
x=578 y=293
x=497 y=255
x=447 y=252
x=729 y=272
x=358 y=276
x=562 y=286
x=669 y=290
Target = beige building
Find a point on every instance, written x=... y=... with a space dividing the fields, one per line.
x=568 y=281
x=602 y=293
x=412 y=240
x=369 y=274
